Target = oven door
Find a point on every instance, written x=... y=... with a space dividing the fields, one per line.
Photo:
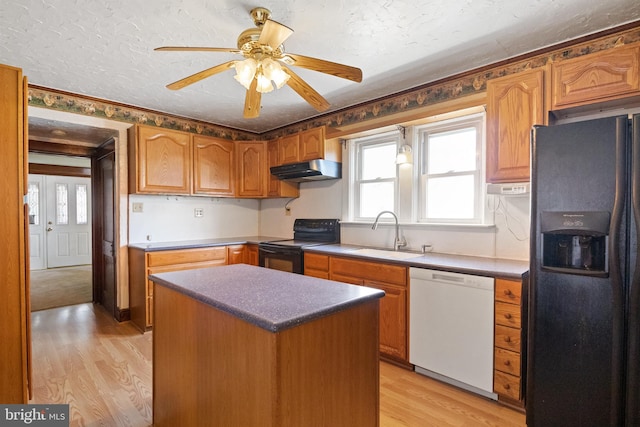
x=284 y=258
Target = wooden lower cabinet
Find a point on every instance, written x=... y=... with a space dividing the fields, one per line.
x=509 y=351
x=143 y=263
x=391 y=278
x=252 y=255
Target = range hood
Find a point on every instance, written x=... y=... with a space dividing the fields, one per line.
x=312 y=170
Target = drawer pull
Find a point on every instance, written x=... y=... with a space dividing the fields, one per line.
x=507 y=386
x=507 y=315
x=507 y=363
x=507 y=339
x=507 y=292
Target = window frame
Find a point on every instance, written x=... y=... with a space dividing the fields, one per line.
x=477 y=120
x=357 y=145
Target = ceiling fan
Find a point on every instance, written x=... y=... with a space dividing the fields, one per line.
x=263 y=64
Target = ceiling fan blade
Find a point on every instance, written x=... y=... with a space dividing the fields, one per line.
x=307 y=92
x=252 y=101
x=198 y=49
x=327 y=67
x=274 y=34
x=201 y=75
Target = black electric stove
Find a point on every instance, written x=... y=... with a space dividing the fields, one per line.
x=287 y=255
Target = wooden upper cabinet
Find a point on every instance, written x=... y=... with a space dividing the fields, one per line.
x=161 y=160
x=514 y=104
x=598 y=77
x=289 y=149
x=314 y=146
x=213 y=166
x=251 y=168
x=276 y=187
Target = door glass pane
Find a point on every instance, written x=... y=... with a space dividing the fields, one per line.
x=81 y=204
x=62 y=204
x=33 y=199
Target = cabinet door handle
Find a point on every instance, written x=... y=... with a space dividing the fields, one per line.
x=507 y=292
x=507 y=386
x=507 y=339
x=507 y=363
x=507 y=316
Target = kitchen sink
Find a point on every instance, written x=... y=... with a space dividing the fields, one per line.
x=382 y=253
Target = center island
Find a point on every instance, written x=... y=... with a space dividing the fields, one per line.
x=240 y=345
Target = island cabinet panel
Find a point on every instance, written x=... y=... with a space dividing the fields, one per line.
x=251 y=169
x=210 y=365
x=213 y=166
x=142 y=264
x=514 y=104
x=509 y=361
x=603 y=76
x=393 y=306
x=160 y=161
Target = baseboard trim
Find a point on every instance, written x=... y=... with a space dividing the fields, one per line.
x=123 y=314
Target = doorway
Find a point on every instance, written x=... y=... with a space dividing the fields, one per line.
x=64 y=136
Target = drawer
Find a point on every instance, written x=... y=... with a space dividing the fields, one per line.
x=506 y=385
x=375 y=271
x=508 y=315
x=508 y=291
x=507 y=338
x=507 y=361
x=186 y=256
x=316 y=262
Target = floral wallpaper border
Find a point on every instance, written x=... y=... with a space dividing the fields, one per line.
x=447 y=89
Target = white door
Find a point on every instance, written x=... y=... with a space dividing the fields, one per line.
x=68 y=221
x=37 y=246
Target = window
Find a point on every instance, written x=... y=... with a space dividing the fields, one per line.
x=450 y=171
x=444 y=184
x=81 y=204
x=33 y=199
x=375 y=177
x=62 y=204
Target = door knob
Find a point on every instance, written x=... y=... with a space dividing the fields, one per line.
x=49 y=229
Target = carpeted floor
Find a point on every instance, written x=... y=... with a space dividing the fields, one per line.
x=57 y=287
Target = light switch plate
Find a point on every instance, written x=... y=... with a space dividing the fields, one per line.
x=198 y=212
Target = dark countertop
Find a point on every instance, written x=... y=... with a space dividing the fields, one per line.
x=270 y=299
x=202 y=243
x=494 y=267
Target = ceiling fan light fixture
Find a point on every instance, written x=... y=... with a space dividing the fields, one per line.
x=246 y=71
x=273 y=71
x=264 y=84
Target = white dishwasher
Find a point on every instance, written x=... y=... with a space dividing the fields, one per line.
x=451 y=328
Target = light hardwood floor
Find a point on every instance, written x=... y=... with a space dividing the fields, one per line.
x=102 y=368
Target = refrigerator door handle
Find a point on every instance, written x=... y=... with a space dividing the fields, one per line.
x=632 y=406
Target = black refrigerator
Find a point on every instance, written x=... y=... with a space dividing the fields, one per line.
x=583 y=357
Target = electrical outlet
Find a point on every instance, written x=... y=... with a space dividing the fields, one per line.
x=136 y=207
x=198 y=212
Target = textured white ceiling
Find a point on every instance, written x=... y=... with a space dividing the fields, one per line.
x=104 y=48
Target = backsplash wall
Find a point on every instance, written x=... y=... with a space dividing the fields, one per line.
x=508 y=238
x=170 y=218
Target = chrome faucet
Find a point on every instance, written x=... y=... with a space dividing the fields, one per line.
x=399 y=241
